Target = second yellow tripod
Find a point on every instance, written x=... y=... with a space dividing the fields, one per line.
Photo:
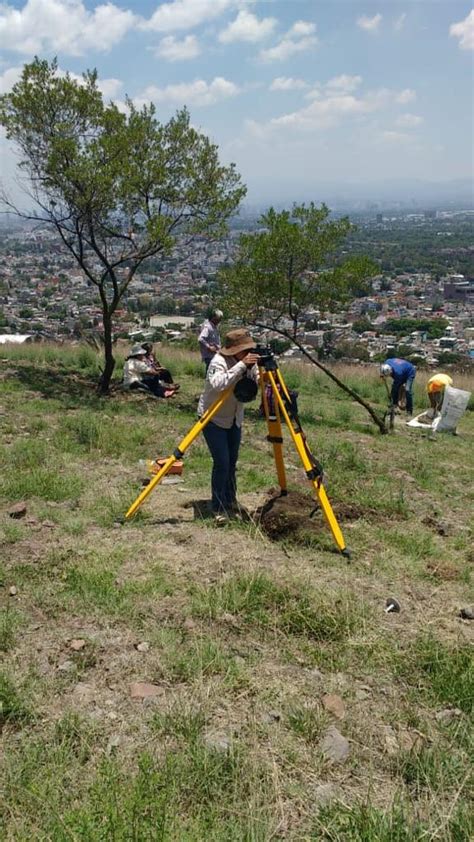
x=278 y=408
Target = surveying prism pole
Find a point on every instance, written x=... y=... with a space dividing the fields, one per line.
x=180 y=450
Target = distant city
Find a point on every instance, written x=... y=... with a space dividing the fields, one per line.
x=420 y=305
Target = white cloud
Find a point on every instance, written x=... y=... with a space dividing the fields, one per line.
x=8 y=78
x=409 y=121
x=299 y=38
x=464 y=30
x=247 y=27
x=344 y=82
x=405 y=96
x=197 y=93
x=399 y=22
x=285 y=83
x=369 y=24
x=395 y=137
x=332 y=106
x=172 y=49
x=301 y=28
x=64 y=26
x=186 y=14
x=327 y=111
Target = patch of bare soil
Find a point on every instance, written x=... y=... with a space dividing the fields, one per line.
x=298 y=516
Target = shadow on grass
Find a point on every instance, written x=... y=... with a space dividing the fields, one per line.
x=78 y=390
x=65 y=386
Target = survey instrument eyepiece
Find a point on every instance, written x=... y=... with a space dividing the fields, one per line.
x=267 y=358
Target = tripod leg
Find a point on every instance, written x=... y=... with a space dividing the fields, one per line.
x=274 y=432
x=314 y=476
x=180 y=450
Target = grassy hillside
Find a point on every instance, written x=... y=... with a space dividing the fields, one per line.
x=256 y=650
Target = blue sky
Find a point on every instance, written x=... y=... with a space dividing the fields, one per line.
x=306 y=96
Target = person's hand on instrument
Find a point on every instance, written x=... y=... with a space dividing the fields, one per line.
x=250 y=359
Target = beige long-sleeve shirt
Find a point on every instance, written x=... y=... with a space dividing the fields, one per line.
x=223 y=372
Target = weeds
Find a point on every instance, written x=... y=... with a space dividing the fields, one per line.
x=257 y=599
x=10 y=622
x=307 y=722
x=12 y=707
x=443 y=674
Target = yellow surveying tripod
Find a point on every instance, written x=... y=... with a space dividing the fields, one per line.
x=278 y=407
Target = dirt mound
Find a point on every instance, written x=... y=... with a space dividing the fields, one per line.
x=298 y=516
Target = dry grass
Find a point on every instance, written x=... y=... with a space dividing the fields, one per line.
x=245 y=637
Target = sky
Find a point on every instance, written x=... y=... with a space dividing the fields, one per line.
x=307 y=97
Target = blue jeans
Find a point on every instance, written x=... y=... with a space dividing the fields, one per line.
x=408 y=390
x=224 y=446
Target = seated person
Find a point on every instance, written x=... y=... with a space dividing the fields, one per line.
x=435 y=388
x=137 y=373
x=163 y=373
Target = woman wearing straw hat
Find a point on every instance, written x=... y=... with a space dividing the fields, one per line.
x=223 y=434
x=138 y=374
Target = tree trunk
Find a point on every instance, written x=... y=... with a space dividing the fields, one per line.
x=376 y=418
x=109 y=359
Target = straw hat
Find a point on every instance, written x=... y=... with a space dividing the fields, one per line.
x=138 y=351
x=237 y=340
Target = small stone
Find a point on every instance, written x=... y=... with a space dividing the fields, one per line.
x=12 y=591
x=143 y=646
x=334 y=746
x=448 y=714
x=189 y=624
x=143 y=690
x=390 y=740
x=467 y=613
x=48 y=524
x=113 y=743
x=325 y=794
x=77 y=644
x=116 y=525
x=230 y=619
x=334 y=705
x=218 y=742
x=270 y=717
x=17 y=511
x=66 y=666
x=316 y=675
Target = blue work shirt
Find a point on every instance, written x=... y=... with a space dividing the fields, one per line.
x=402 y=370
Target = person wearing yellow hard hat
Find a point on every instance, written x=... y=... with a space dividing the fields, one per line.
x=435 y=388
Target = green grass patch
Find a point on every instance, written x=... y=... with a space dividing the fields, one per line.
x=443 y=674
x=10 y=622
x=257 y=599
x=182 y=721
x=13 y=708
x=307 y=722
x=366 y=823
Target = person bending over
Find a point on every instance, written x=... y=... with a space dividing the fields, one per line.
x=223 y=434
x=402 y=373
x=435 y=388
